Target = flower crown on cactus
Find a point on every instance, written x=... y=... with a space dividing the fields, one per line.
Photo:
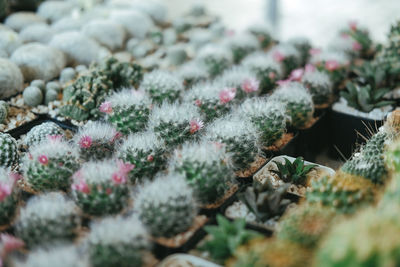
x=145 y=151
x=319 y=85
x=46 y=218
x=175 y=123
x=127 y=236
x=162 y=86
x=128 y=110
x=215 y=57
x=207 y=168
x=96 y=140
x=287 y=55
x=166 y=206
x=101 y=187
x=241 y=45
x=8 y=195
x=50 y=164
x=41 y=132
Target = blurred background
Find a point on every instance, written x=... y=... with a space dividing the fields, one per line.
x=319 y=20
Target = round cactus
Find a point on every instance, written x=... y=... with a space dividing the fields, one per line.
x=46 y=218
x=319 y=86
x=303 y=46
x=215 y=58
x=49 y=165
x=8 y=150
x=96 y=141
x=263 y=33
x=241 y=45
x=127 y=110
x=162 y=86
x=51 y=95
x=239 y=136
x=8 y=195
x=265 y=68
x=166 y=206
x=39 y=84
x=268 y=117
x=192 y=73
x=41 y=132
x=145 y=151
x=67 y=75
x=33 y=96
x=299 y=104
x=287 y=55
x=175 y=123
x=117 y=242
x=206 y=167
x=100 y=188
x=212 y=101
x=3 y=111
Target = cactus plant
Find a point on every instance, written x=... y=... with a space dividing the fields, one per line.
x=192 y=73
x=162 y=86
x=96 y=140
x=166 y=206
x=303 y=46
x=268 y=117
x=8 y=150
x=117 y=242
x=241 y=45
x=46 y=218
x=361 y=39
x=67 y=75
x=8 y=195
x=306 y=224
x=287 y=55
x=127 y=110
x=41 y=132
x=240 y=138
x=100 y=188
x=206 y=167
x=293 y=172
x=263 y=33
x=145 y=151
x=33 y=96
x=48 y=166
x=319 y=86
x=3 y=111
x=267 y=70
x=215 y=58
x=175 y=123
x=334 y=63
x=299 y=104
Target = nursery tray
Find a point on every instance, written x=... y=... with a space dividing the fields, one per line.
x=181 y=259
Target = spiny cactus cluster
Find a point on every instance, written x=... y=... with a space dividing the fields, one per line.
x=41 y=132
x=242 y=80
x=287 y=55
x=319 y=86
x=8 y=150
x=8 y=195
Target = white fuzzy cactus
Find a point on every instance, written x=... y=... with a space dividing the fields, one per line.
x=287 y=55
x=136 y=23
x=9 y=41
x=166 y=206
x=156 y=9
x=117 y=241
x=41 y=33
x=19 y=20
x=54 y=10
x=11 y=79
x=47 y=217
x=41 y=132
x=162 y=86
x=241 y=45
x=216 y=58
x=108 y=33
x=192 y=73
x=319 y=85
x=263 y=33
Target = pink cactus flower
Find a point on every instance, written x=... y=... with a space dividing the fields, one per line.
x=150 y=158
x=106 y=107
x=271 y=75
x=353 y=25
x=85 y=142
x=314 y=51
x=309 y=68
x=119 y=178
x=197 y=102
x=356 y=46
x=296 y=75
x=196 y=125
x=125 y=167
x=82 y=186
x=55 y=137
x=10 y=243
x=331 y=65
x=5 y=191
x=278 y=56
x=250 y=85
x=43 y=159
x=226 y=95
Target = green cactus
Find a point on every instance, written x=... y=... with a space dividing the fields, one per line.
x=263 y=33
x=215 y=59
x=288 y=56
x=41 y=133
x=8 y=150
x=166 y=206
x=99 y=188
x=146 y=152
x=47 y=218
x=241 y=45
x=33 y=96
x=122 y=248
x=49 y=165
x=3 y=111
x=319 y=86
x=206 y=168
x=303 y=46
x=192 y=73
x=8 y=195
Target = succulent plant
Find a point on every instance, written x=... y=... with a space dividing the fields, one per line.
x=287 y=55
x=365 y=98
x=293 y=172
x=215 y=58
x=127 y=110
x=319 y=86
x=303 y=46
x=240 y=138
x=334 y=63
x=226 y=237
x=241 y=45
x=175 y=123
x=117 y=241
x=8 y=195
x=345 y=193
x=100 y=188
x=67 y=75
x=192 y=73
x=299 y=104
x=306 y=225
x=263 y=33
x=162 y=86
x=96 y=140
x=49 y=165
x=4 y=108
x=166 y=206
x=145 y=151
x=46 y=218
x=11 y=79
x=33 y=96
x=212 y=101
x=269 y=117
x=8 y=150
x=206 y=167
x=41 y=133
x=361 y=40
x=264 y=201
x=265 y=68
